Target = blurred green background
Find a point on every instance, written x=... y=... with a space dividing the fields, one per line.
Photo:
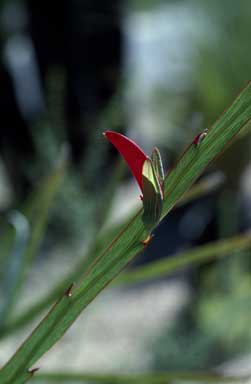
x=160 y=72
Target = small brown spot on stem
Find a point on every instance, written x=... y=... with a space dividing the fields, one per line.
x=147 y=241
x=33 y=371
x=68 y=292
x=200 y=137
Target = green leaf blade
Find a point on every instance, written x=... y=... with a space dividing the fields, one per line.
x=128 y=243
x=195 y=159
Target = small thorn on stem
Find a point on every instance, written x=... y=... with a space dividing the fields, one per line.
x=33 y=371
x=147 y=241
x=200 y=137
x=68 y=292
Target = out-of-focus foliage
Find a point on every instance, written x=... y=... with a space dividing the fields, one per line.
x=127 y=244
x=224 y=289
x=224 y=63
x=215 y=325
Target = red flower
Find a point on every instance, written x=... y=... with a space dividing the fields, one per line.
x=149 y=174
x=131 y=152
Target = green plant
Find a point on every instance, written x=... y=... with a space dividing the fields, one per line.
x=127 y=244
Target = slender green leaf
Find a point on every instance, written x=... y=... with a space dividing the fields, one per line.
x=8 y=234
x=154 y=378
x=74 y=275
x=207 y=185
x=127 y=244
x=152 y=196
x=195 y=256
x=15 y=264
x=38 y=208
x=157 y=164
x=35 y=212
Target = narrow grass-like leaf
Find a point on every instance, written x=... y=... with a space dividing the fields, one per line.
x=195 y=256
x=38 y=208
x=8 y=235
x=154 y=378
x=205 y=186
x=152 y=196
x=74 y=275
x=37 y=213
x=127 y=244
x=157 y=164
x=196 y=158
x=14 y=265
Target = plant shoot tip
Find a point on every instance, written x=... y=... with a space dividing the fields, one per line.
x=148 y=240
x=33 y=370
x=68 y=292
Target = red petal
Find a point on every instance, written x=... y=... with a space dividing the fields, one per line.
x=196 y=139
x=131 y=152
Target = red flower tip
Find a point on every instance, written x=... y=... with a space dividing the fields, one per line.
x=201 y=136
x=131 y=152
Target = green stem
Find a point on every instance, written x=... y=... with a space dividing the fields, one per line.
x=127 y=245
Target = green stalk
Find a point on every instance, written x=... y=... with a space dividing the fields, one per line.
x=195 y=256
x=151 y=378
x=127 y=245
x=36 y=212
x=207 y=185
